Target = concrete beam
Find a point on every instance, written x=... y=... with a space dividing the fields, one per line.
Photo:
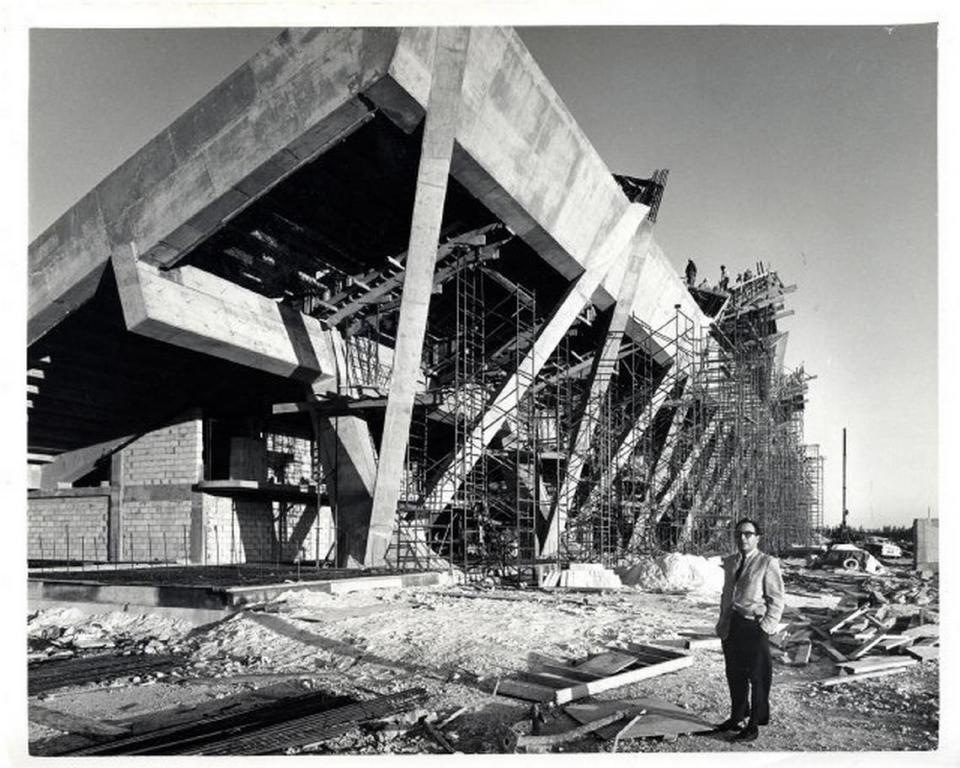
x=275 y=113
x=434 y=170
x=71 y=466
x=604 y=369
x=196 y=310
x=619 y=239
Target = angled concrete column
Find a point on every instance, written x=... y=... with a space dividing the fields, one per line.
x=625 y=450
x=604 y=369
x=706 y=477
x=684 y=472
x=443 y=108
x=661 y=466
x=620 y=237
x=716 y=492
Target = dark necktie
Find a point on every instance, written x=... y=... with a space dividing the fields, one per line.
x=743 y=561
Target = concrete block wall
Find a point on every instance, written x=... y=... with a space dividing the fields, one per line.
x=289 y=459
x=64 y=527
x=237 y=531
x=157 y=473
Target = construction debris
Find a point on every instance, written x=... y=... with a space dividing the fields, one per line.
x=652 y=718
x=561 y=681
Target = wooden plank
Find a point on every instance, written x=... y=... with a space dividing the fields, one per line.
x=624 y=678
x=924 y=630
x=831 y=650
x=705 y=643
x=865 y=647
x=888 y=642
x=607 y=663
x=924 y=652
x=549 y=679
x=553 y=739
x=844 y=679
x=869 y=665
x=659 y=718
x=525 y=691
x=63 y=721
x=846 y=619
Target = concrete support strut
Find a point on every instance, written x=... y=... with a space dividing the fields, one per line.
x=604 y=369
x=681 y=477
x=435 y=156
x=621 y=237
x=630 y=441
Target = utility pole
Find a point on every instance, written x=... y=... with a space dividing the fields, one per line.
x=843 y=524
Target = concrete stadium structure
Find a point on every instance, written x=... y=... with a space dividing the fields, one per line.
x=376 y=300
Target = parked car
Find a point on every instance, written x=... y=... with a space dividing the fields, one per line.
x=880 y=547
x=849 y=557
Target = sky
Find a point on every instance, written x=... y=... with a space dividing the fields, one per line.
x=812 y=149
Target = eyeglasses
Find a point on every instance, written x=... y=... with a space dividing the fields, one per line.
x=746 y=534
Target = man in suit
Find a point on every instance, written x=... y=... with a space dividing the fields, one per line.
x=750 y=610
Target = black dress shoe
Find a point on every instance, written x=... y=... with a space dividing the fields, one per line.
x=748 y=733
x=727 y=725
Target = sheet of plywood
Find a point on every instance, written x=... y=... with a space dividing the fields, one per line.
x=658 y=718
x=607 y=663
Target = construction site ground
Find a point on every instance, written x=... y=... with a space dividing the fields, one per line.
x=457 y=642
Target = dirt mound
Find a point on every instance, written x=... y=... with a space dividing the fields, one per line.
x=674 y=571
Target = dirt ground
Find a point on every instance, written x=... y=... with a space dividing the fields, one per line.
x=384 y=641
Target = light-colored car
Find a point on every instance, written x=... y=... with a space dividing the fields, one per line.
x=880 y=547
x=849 y=557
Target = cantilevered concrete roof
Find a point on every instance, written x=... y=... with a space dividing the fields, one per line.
x=319 y=132
x=518 y=151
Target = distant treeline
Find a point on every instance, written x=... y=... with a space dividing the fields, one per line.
x=893 y=532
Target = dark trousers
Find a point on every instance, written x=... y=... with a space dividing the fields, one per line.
x=746 y=653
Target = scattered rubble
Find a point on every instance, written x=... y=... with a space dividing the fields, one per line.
x=850 y=642
x=675 y=572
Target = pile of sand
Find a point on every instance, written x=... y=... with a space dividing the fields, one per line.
x=674 y=571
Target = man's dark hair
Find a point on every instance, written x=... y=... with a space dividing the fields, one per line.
x=747 y=520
